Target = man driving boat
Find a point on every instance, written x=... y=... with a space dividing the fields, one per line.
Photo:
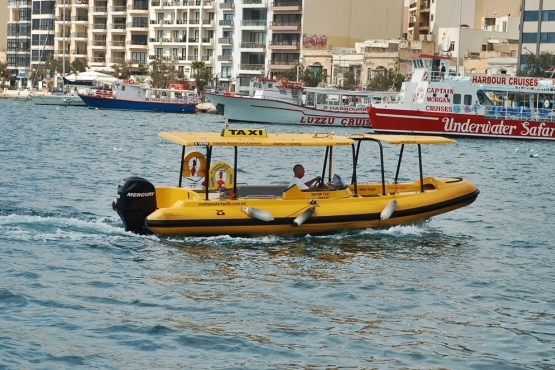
x=298 y=171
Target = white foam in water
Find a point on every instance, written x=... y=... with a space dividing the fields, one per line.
x=36 y=227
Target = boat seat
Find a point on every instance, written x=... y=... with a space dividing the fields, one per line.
x=260 y=190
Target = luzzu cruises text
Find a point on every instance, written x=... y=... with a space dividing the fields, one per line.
x=489 y=106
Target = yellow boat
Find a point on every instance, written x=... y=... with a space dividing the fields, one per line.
x=224 y=206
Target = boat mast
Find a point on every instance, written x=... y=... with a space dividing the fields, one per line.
x=64 y=40
x=459 y=40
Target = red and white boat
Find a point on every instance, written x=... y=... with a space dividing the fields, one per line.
x=485 y=106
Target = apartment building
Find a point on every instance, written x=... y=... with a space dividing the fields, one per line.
x=19 y=39
x=538 y=29
x=3 y=31
x=426 y=17
x=236 y=39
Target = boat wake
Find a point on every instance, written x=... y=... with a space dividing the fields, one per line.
x=45 y=226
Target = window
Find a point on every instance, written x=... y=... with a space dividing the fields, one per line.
x=529 y=37
x=547 y=37
x=139 y=57
x=456 y=99
x=548 y=15
x=531 y=16
x=468 y=100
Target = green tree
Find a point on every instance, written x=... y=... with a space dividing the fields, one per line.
x=386 y=81
x=121 y=70
x=201 y=75
x=79 y=65
x=349 y=83
x=313 y=76
x=537 y=65
x=4 y=73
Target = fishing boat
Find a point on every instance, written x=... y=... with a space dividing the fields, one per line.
x=211 y=198
x=288 y=102
x=480 y=106
x=140 y=96
x=73 y=85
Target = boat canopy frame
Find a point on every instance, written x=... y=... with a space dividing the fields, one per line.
x=259 y=137
x=394 y=139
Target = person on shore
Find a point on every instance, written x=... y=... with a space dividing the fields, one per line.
x=298 y=171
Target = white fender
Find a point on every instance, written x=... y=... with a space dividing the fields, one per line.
x=259 y=214
x=388 y=210
x=303 y=217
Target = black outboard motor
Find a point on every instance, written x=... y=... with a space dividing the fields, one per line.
x=136 y=200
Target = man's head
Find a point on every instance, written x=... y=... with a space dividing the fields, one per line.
x=298 y=170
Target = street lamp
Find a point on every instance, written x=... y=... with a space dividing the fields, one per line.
x=165 y=80
x=216 y=77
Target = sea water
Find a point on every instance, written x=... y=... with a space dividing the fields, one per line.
x=470 y=289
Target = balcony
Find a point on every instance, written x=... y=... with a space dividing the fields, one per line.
x=139 y=25
x=256 y=3
x=119 y=9
x=285 y=26
x=286 y=6
x=285 y=45
x=225 y=58
x=252 y=67
x=206 y=41
x=207 y=22
x=227 y=5
x=255 y=23
x=100 y=27
x=226 y=23
x=80 y=2
x=79 y=35
x=225 y=40
x=100 y=9
x=118 y=44
x=118 y=27
x=80 y=18
x=252 y=45
x=282 y=64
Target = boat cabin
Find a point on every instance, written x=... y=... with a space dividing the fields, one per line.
x=427 y=67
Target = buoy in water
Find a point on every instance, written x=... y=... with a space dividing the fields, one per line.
x=303 y=217
x=259 y=214
x=388 y=210
x=534 y=155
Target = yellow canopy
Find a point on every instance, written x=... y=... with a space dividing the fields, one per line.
x=404 y=139
x=253 y=137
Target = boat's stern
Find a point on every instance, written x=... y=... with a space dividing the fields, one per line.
x=136 y=199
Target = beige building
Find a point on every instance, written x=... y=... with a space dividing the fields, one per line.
x=345 y=22
x=3 y=29
x=426 y=17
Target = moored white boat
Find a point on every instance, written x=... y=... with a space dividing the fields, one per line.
x=73 y=85
x=287 y=102
x=219 y=202
x=483 y=106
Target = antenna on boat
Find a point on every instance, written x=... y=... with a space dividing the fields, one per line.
x=226 y=124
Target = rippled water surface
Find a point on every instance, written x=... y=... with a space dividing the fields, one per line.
x=471 y=289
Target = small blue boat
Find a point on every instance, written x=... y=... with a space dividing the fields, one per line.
x=131 y=95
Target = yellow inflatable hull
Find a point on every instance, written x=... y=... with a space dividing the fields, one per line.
x=184 y=211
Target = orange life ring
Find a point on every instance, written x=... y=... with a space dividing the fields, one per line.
x=284 y=81
x=131 y=81
x=425 y=76
x=190 y=169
